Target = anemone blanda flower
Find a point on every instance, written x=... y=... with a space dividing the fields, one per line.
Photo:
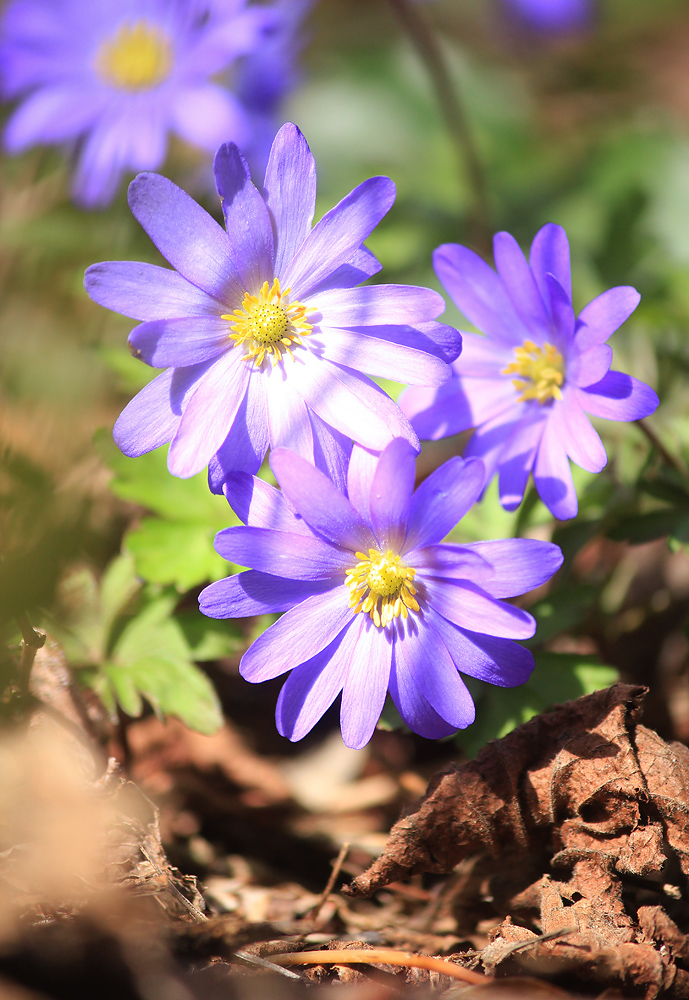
x=528 y=385
x=373 y=602
x=260 y=327
x=552 y=16
x=116 y=77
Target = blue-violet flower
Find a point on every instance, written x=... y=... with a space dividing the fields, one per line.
x=552 y=16
x=260 y=328
x=373 y=601
x=116 y=77
x=528 y=385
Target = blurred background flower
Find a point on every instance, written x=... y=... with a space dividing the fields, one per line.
x=551 y=16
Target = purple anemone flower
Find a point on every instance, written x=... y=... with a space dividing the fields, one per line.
x=116 y=77
x=552 y=16
x=260 y=327
x=373 y=601
x=528 y=385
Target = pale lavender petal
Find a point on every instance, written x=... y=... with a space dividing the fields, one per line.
x=288 y=415
x=359 y=267
x=362 y=468
x=209 y=415
x=618 y=397
x=496 y=661
x=391 y=493
x=378 y=305
x=437 y=413
x=179 y=343
x=490 y=439
x=146 y=291
x=517 y=457
x=478 y=292
x=349 y=402
x=600 y=318
x=206 y=114
x=283 y=553
x=327 y=511
x=376 y=351
x=153 y=416
x=590 y=366
x=300 y=634
x=244 y=448
x=577 y=434
x=260 y=505
x=254 y=593
x=519 y=564
x=442 y=500
x=51 y=114
x=550 y=255
x=186 y=235
x=425 y=658
x=483 y=357
x=520 y=284
x=453 y=561
x=339 y=234
x=311 y=688
x=553 y=476
x=249 y=227
x=366 y=685
x=562 y=312
x=100 y=162
x=331 y=451
x=468 y=606
x=290 y=192
x=489 y=397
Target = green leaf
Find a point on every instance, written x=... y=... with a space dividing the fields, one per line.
x=175 y=553
x=648 y=527
x=561 y=611
x=210 y=639
x=118 y=587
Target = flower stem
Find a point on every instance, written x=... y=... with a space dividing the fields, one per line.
x=667 y=457
x=430 y=51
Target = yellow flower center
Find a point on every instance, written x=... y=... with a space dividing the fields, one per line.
x=267 y=324
x=542 y=371
x=138 y=57
x=380 y=586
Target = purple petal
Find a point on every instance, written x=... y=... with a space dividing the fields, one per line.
x=478 y=292
x=618 y=397
x=179 y=343
x=378 y=305
x=442 y=500
x=300 y=634
x=290 y=192
x=491 y=438
x=483 y=357
x=600 y=318
x=288 y=415
x=517 y=457
x=577 y=434
x=186 y=235
x=496 y=661
x=208 y=415
x=359 y=267
x=520 y=284
x=550 y=255
x=349 y=402
x=553 y=476
x=453 y=561
x=101 y=160
x=362 y=468
x=153 y=416
x=51 y=114
x=312 y=687
x=562 y=312
x=489 y=398
x=320 y=503
x=260 y=505
x=414 y=709
x=391 y=493
x=468 y=606
x=437 y=413
x=283 y=553
x=331 y=451
x=339 y=234
x=381 y=351
x=366 y=685
x=590 y=366
x=206 y=114
x=253 y=593
x=146 y=291
x=248 y=223
x=519 y=564
x=244 y=448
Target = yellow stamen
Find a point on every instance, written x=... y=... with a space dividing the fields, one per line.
x=138 y=57
x=380 y=586
x=542 y=370
x=269 y=325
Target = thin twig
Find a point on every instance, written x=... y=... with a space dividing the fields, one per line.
x=263 y=963
x=173 y=888
x=430 y=51
x=380 y=956
x=540 y=939
x=668 y=458
x=313 y=913
x=32 y=642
